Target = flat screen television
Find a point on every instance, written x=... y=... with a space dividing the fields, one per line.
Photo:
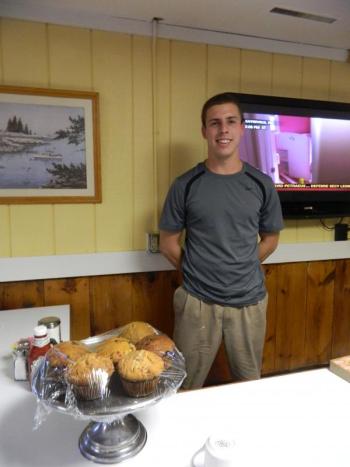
x=304 y=146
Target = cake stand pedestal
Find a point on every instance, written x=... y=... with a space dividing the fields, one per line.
x=113 y=442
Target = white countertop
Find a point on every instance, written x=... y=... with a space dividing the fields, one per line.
x=301 y=419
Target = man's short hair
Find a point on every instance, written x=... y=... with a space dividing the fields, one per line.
x=218 y=99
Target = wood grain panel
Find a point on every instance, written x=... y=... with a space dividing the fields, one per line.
x=341 y=323
x=111 y=300
x=319 y=311
x=15 y=295
x=73 y=292
x=271 y=272
x=153 y=299
x=302 y=323
x=291 y=316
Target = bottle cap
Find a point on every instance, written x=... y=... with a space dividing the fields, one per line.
x=40 y=331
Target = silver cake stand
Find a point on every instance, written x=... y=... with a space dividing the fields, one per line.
x=113 y=434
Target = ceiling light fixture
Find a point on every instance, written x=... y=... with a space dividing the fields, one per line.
x=303 y=15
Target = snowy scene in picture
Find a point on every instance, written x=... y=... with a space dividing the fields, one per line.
x=42 y=146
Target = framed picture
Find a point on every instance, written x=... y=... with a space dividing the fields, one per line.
x=49 y=146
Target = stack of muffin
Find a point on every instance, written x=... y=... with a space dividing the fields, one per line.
x=139 y=354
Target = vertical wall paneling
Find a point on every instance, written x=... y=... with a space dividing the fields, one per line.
x=341 y=326
x=316 y=78
x=118 y=66
x=319 y=311
x=73 y=292
x=32 y=230
x=163 y=119
x=310 y=231
x=286 y=75
x=339 y=81
x=289 y=233
x=71 y=68
x=112 y=78
x=143 y=182
x=24 y=55
x=223 y=70
x=188 y=67
x=1 y=51
x=256 y=72
x=291 y=316
x=5 y=236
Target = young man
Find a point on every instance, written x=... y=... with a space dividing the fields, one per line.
x=232 y=217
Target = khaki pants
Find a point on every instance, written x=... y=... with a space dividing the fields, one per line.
x=200 y=327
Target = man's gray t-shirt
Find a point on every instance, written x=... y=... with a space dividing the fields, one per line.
x=222 y=215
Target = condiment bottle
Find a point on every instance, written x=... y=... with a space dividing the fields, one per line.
x=53 y=324
x=41 y=344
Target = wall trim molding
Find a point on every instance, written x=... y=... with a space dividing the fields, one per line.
x=97 y=264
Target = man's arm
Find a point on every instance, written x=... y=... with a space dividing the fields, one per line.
x=268 y=244
x=169 y=245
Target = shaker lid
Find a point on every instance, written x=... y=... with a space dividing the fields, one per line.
x=50 y=321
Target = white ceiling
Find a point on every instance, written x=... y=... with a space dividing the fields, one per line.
x=238 y=22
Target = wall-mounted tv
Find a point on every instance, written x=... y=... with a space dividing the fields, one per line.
x=304 y=146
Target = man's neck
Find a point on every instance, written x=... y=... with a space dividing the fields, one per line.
x=224 y=166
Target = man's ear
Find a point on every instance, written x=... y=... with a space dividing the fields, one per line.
x=204 y=129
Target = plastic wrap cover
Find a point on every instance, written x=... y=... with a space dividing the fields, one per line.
x=102 y=396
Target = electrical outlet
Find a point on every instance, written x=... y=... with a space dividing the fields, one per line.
x=152 y=239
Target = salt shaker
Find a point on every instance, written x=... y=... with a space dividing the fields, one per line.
x=20 y=363
x=53 y=324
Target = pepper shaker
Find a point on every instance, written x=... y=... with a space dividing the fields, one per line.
x=53 y=324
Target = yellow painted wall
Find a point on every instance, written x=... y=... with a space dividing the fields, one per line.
x=119 y=67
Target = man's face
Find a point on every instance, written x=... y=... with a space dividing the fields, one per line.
x=223 y=131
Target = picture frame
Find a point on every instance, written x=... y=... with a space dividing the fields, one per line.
x=49 y=146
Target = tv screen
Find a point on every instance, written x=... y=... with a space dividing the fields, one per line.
x=304 y=146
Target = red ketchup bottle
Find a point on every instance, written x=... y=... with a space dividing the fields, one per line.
x=41 y=344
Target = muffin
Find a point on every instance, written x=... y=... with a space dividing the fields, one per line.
x=64 y=353
x=139 y=372
x=160 y=344
x=89 y=376
x=115 y=348
x=136 y=330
